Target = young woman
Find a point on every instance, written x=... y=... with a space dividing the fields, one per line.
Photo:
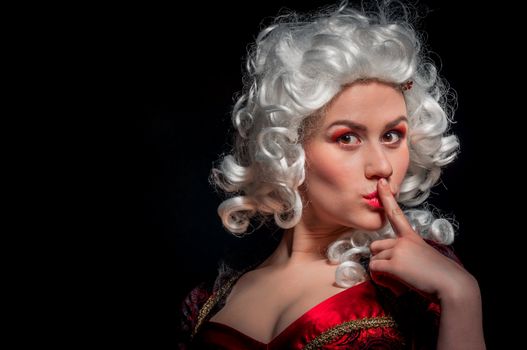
x=341 y=132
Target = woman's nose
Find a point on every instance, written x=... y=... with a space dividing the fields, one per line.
x=377 y=164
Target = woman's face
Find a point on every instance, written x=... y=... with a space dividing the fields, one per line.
x=360 y=139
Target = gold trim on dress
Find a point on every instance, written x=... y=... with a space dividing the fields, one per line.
x=333 y=333
x=211 y=302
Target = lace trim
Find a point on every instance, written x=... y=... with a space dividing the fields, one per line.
x=347 y=327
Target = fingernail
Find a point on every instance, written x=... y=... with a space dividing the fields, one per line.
x=383 y=182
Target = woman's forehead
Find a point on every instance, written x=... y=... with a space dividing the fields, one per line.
x=366 y=103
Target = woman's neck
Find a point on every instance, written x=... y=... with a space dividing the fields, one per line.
x=301 y=245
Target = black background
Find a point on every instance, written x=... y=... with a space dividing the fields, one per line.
x=173 y=72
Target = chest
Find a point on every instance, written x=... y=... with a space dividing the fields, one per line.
x=265 y=310
x=352 y=319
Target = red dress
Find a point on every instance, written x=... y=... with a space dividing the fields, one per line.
x=365 y=316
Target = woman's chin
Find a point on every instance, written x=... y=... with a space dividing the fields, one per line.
x=372 y=224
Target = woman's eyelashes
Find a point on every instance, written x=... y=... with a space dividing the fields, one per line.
x=350 y=138
x=345 y=137
x=394 y=137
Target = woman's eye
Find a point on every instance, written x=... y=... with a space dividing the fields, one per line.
x=348 y=139
x=392 y=137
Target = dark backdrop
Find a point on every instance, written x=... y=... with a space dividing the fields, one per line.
x=179 y=68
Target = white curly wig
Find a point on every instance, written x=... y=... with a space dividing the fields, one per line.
x=295 y=68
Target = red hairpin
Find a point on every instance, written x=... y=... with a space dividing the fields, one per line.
x=407 y=85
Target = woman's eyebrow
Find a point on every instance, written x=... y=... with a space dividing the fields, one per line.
x=359 y=126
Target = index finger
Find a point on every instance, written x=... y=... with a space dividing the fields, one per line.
x=394 y=213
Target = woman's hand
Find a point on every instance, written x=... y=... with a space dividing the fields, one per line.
x=409 y=261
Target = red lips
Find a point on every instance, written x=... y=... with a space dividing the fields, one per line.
x=373 y=200
x=371 y=195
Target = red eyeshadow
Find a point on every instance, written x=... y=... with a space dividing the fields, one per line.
x=339 y=133
x=401 y=129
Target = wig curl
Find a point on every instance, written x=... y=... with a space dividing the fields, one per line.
x=296 y=67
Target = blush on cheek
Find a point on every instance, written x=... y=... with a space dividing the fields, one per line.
x=331 y=172
x=404 y=160
x=400 y=165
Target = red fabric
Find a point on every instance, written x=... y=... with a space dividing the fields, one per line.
x=417 y=320
x=355 y=303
